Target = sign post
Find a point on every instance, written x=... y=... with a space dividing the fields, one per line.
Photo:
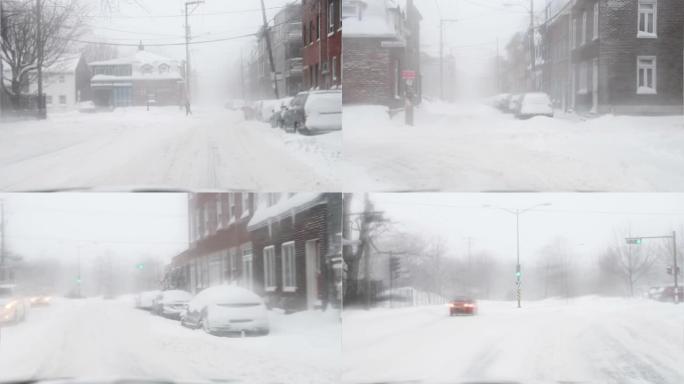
x=408 y=76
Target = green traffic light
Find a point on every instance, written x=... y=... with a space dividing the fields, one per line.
x=141 y=266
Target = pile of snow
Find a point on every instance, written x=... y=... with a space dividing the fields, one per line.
x=288 y=205
x=375 y=21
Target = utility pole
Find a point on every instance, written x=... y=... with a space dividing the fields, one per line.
x=242 y=76
x=442 y=22
x=267 y=35
x=676 y=268
x=188 y=71
x=2 y=39
x=366 y=251
x=39 y=39
x=533 y=68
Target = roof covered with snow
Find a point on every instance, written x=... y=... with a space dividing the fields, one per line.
x=371 y=18
x=289 y=205
x=65 y=64
x=140 y=57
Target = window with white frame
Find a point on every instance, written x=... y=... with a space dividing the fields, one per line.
x=573 y=33
x=334 y=68
x=596 y=20
x=245 y=204
x=648 y=18
x=269 y=268
x=331 y=17
x=247 y=266
x=646 y=75
x=584 y=27
x=287 y=254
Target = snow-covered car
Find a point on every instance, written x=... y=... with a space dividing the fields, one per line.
x=265 y=109
x=534 y=104
x=514 y=103
x=322 y=112
x=655 y=292
x=87 y=107
x=278 y=118
x=171 y=303
x=227 y=309
x=462 y=306
x=501 y=101
x=13 y=307
x=145 y=300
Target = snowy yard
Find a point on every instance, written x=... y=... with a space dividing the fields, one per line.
x=477 y=148
x=97 y=338
x=588 y=340
x=132 y=148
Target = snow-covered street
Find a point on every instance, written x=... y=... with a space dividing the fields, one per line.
x=588 y=340
x=475 y=147
x=131 y=148
x=109 y=338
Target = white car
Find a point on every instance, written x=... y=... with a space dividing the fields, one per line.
x=227 y=309
x=145 y=300
x=322 y=112
x=13 y=307
x=171 y=303
x=535 y=104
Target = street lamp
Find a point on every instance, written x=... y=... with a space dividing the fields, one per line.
x=517 y=213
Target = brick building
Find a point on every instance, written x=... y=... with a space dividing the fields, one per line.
x=614 y=56
x=284 y=247
x=381 y=39
x=322 y=38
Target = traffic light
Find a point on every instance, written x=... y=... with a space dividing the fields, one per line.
x=517 y=272
x=78 y=280
x=140 y=266
x=633 y=240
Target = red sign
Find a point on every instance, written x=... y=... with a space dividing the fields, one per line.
x=408 y=75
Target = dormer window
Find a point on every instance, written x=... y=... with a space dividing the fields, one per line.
x=146 y=69
x=164 y=68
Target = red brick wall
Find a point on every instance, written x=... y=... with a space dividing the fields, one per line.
x=323 y=49
x=367 y=72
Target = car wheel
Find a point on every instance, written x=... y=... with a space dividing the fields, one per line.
x=263 y=332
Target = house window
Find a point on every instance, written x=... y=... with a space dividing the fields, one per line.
x=247 y=266
x=48 y=99
x=584 y=27
x=163 y=68
x=245 y=204
x=318 y=27
x=648 y=12
x=61 y=78
x=573 y=33
x=331 y=17
x=646 y=75
x=62 y=99
x=596 y=20
x=219 y=211
x=334 y=68
x=231 y=204
x=311 y=32
x=397 y=78
x=146 y=69
x=287 y=254
x=269 y=268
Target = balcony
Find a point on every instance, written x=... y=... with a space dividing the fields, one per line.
x=294 y=66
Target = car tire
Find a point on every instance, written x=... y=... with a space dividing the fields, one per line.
x=263 y=332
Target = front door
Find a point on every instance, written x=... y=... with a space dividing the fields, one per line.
x=313 y=273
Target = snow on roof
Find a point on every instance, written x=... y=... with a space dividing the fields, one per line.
x=140 y=57
x=138 y=76
x=374 y=21
x=286 y=206
x=65 y=64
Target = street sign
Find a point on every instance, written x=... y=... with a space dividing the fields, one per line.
x=633 y=240
x=408 y=74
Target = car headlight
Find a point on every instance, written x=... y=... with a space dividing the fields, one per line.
x=10 y=305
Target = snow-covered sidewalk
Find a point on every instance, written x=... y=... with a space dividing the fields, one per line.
x=588 y=340
x=131 y=148
x=477 y=148
x=104 y=338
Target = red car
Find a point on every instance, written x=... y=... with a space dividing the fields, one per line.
x=462 y=306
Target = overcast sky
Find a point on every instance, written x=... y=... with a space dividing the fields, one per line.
x=587 y=222
x=128 y=226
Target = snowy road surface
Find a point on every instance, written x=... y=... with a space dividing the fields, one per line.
x=587 y=340
x=97 y=338
x=130 y=147
x=477 y=148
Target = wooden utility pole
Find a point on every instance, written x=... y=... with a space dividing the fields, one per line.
x=267 y=35
x=188 y=72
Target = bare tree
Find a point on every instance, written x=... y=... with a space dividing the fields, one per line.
x=628 y=262
x=62 y=22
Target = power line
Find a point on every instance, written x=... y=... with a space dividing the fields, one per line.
x=183 y=15
x=162 y=44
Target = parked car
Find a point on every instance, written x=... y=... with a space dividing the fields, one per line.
x=293 y=117
x=171 y=303
x=265 y=109
x=13 y=307
x=278 y=118
x=87 y=107
x=227 y=309
x=501 y=101
x=145 y=300
x=322 y=112
x=514 y=103
x=40 y=300
x=654 y=293
x=462 y=305
x=668 y=293
x=535 y=104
